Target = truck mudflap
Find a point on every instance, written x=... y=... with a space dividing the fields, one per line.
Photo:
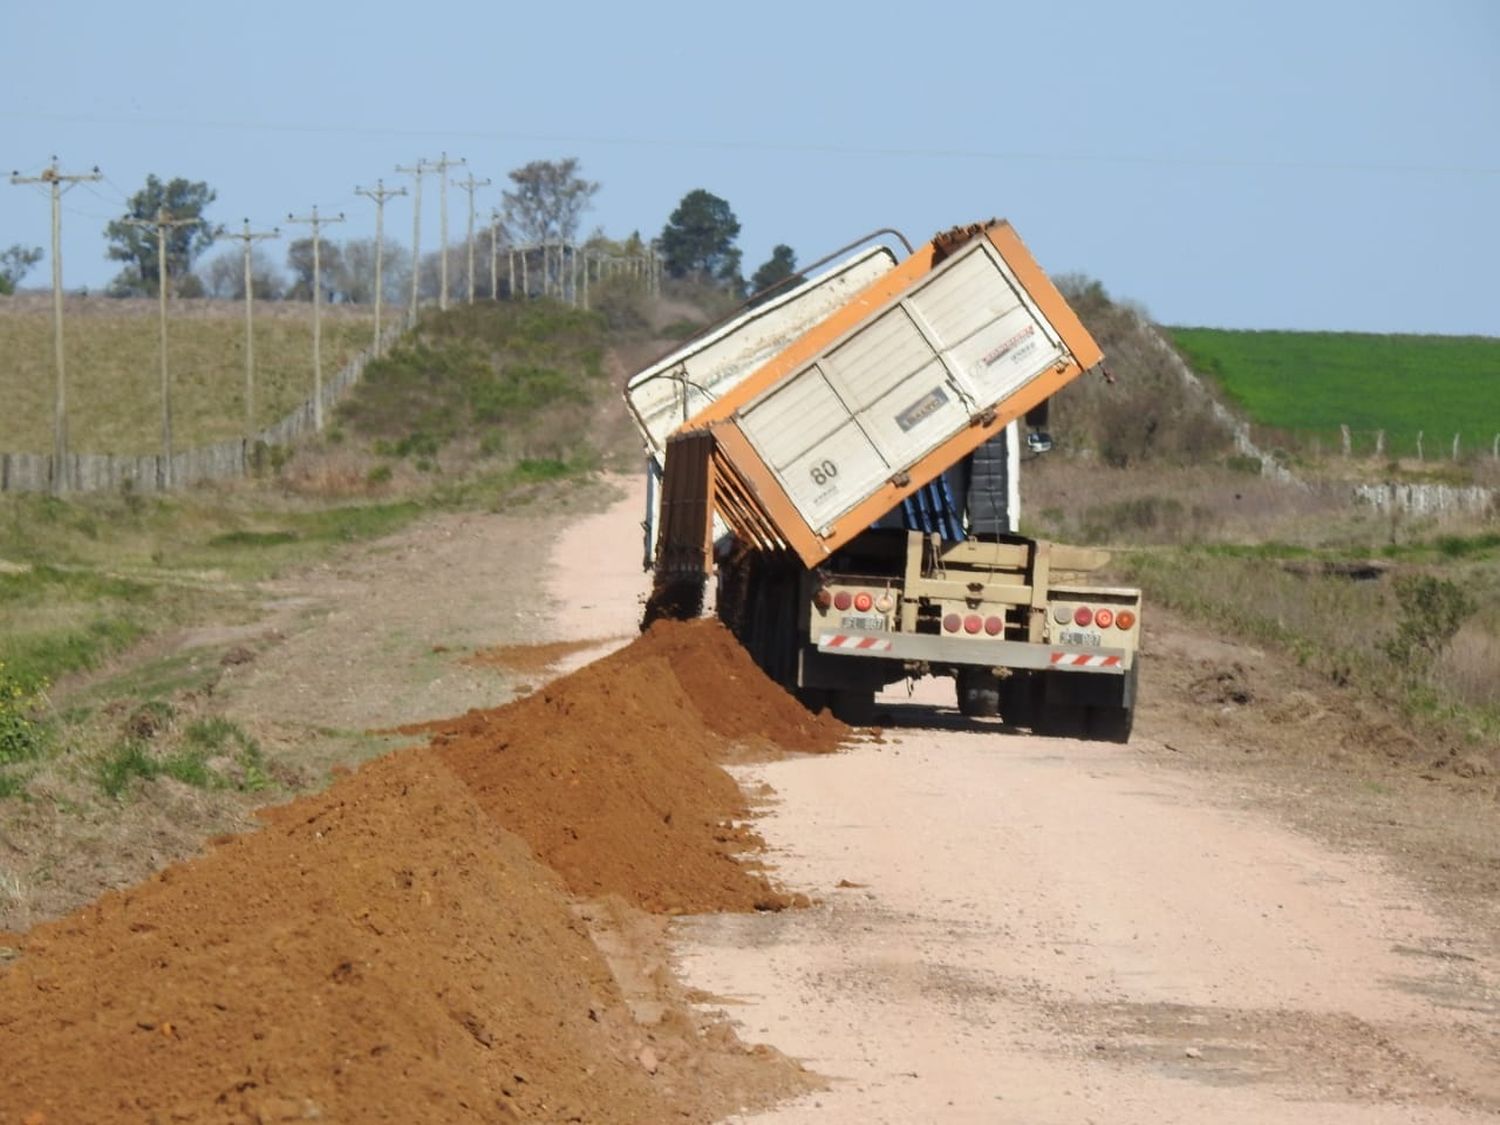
x=987 y=653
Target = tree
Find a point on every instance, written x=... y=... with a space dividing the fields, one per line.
x=299 y=259
x=778 y=268
x=698 y=240
x=548 y=198
x=356 y=273
x=16 y=263
x=224 y=275
x=136 y=245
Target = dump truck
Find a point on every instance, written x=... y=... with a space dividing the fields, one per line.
x=839 y=463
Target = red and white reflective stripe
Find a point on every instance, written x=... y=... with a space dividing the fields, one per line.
x=840 y=640
x=1084 y=660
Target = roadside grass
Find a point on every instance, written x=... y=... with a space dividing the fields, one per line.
x=503 y=383
x=114 y=394
x=1269 y=563
x=208 y=753
x=1307 y=384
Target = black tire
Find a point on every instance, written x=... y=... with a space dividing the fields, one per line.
x=855 y=706
x=1061 y=720
x=1018 y=698
x=978 y=693
x=1110 y=724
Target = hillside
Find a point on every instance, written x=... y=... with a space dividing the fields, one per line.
x=1308 y=384
x=113 y=365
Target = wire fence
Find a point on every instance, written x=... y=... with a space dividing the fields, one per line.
x=222 y=460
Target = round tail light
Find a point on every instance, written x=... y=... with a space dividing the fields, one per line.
x=842 y=600
x=1082 y=616
x=994 y=626
x=1125 y=619
x=823 y=598
x=973 y=623
x=1104 y=618
x=952 y=623
x=863 y=602
x=884 y=603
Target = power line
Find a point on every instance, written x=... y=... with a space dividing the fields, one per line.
x=58 y=182
x=249 y=238
x=415 y=170
x=317 y=223
x=163 y=223
x=718 y=144
x=471 y=185
x=380 y=193
x=441 y=166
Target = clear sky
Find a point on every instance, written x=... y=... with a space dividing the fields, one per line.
x=1318 y=164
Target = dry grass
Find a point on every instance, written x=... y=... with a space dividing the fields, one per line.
x=1082 y=501
x=1244 y=556
x=113 y=363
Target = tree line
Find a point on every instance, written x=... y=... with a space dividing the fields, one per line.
x=544 y=203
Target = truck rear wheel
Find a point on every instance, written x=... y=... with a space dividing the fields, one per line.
x=1110 y=724
x=855 y=706
x=978 y=693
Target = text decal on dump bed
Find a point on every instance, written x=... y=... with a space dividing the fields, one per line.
x=928 y=404
x=1010 y=345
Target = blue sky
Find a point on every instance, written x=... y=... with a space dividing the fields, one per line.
x=1322 y=164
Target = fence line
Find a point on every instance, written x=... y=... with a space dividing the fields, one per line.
x=223 y=460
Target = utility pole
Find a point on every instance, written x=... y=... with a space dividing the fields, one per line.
x=58 y=182
x=249 y=238
x=317 y=223
x=494 y=255
x=379 y=194
x=415 y=171
x=471 y=185
x=163 y=223
x=441 y=166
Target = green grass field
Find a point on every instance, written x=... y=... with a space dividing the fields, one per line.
x=1310 y=383
x=114 y=394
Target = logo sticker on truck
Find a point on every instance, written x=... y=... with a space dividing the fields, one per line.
x=929 y=404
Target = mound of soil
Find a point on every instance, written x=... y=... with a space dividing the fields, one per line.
x=611 y=774
x=389 y=951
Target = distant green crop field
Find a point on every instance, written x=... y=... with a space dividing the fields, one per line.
x=113 y=368
x=1313 y=382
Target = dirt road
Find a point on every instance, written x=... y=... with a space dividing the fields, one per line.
x=1040 y=930
x=1047 y=931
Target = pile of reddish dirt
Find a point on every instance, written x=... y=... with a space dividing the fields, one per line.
x=612 y=774
x=389 y=951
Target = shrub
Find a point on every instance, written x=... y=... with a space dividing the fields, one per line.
x=1431 y=612
x=22 y=735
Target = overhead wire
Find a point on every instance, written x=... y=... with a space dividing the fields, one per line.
x=719 y=144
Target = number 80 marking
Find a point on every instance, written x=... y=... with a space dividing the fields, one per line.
x=823 y=472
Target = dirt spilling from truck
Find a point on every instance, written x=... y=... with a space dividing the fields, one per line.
x=612 y=774
x=404 y=946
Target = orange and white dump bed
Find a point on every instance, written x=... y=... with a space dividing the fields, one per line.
x=885 y=393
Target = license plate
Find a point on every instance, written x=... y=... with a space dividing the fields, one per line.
x=1083 y=640
x=868 y=624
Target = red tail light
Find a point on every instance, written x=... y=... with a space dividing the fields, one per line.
x=952 y=623
x=863 y=602
x=842 y=600
x=994 y=626
x=973 y=623
x=1104 y=618
x=823 y=598
x=1082 y=616
x=1125 y=619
